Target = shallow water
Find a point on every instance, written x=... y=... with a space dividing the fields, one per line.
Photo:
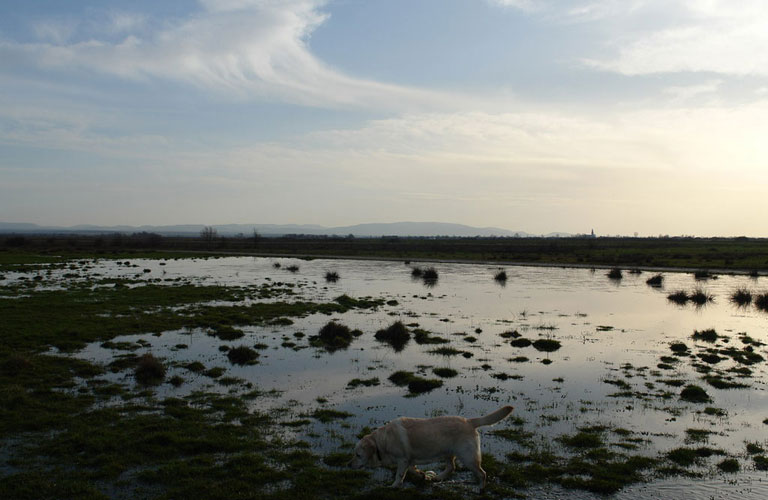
x=609 y=330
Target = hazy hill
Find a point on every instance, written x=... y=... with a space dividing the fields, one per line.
x=359 y=230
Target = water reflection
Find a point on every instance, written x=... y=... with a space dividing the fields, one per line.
x=603 y=332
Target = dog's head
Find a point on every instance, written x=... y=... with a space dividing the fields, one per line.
x=366 y=453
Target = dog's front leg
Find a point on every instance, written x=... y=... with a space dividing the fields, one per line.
x=402 y=468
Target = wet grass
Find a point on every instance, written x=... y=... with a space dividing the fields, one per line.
x=415 y=383
x=430 y=274
x=369 y=382
x=741 y=297
x=333 y=336
x=500 y=277
x=422 y=337
x=679 y=297
x=709 y=335
x=149 y=370
x=546 y=345
x=701 y=297
x=213 y=445
x=656 y=280
x=761 y=302
x=396 y=335
x=520 y=342
x=242 y=355
x=694 y=394
x=331 y=276
x=729 y=465
x=445 y=372
x=582 y=440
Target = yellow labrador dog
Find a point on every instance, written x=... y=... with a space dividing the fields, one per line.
x=406 y=442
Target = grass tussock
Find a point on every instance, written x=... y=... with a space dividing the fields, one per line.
x=424 y=337
x=149 y=370
x=701 y=297
x=500 y=277
x=708 y=335
x=416 y=384
x=396 y=335
x=520 y=342
x=331 y=276
x=761 y=302
x=615 y=274
x=656 y=280
x=333 y=336
x=445 y=372
x=242 y=355
x=430 y=273
x=694 y=394
x=679 y=297
x=546 y=345
x=741 y=297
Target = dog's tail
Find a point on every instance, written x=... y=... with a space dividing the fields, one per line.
x=491 y=419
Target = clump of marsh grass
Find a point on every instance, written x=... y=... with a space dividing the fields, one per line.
x=615 y=274
x=368 y=382
x=520 y=342
x=501 y=277
x=242 y=355
x=741 y=297
x=703 y=274
x=430 y=275
x=709 y=335
x=331 y=276
x=417 y=272
x=396 y=335
x=445 y=372
x=416 y=384
x=293 y=268
x=694 y=394
x=421 y=385
x=424 y=337
x=149 y=370
x=761 y=302
x=546 y=345
x=656 y=280
x=701 y=297
x=679 y=297
x=678 y=347
x=333 y=336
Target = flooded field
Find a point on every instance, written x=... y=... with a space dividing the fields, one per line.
x=607 y=371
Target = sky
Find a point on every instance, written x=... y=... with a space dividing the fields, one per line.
x=622 y=116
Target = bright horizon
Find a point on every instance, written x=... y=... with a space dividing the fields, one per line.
x=643 y=117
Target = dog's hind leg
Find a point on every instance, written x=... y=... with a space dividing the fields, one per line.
x=471 y=457
x=479 y=474
x=449 y=468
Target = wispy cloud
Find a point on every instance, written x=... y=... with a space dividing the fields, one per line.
x=715 y=36
x=526 y=5
x=254 y=49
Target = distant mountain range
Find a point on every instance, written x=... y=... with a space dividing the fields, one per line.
x=360 y=230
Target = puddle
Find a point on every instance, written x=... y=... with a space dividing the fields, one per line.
x=612 y=334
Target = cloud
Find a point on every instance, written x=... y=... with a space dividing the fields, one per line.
x=245 y=48
x=525 y=5
x=715 y=36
